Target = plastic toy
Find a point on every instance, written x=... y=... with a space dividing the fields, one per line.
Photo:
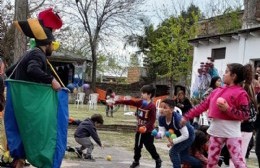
x=109 y=158
x=142 y=129
x=221 y=100
x=154 y=132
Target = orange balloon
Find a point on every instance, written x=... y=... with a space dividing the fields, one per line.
x=171 y=131
x=142 y=129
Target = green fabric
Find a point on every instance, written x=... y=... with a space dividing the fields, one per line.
x=35 y=108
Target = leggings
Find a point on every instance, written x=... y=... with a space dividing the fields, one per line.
x=234 y=148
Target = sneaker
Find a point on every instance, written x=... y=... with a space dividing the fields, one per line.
x=78 y=152
x=89 y=158
x=158 y=163
x=134 y=164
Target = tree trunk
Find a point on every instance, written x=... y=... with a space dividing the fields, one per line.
x=252 y=8
x=94 y=66
x=20 y=42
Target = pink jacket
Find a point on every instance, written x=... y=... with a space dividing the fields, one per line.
x=236 y=98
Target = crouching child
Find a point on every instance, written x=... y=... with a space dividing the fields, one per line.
x=84 y=131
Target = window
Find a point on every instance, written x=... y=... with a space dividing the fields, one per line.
x=218 y=53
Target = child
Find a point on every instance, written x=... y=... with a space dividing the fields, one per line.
x=84 y=131
x=227 y=106
x=179 y=152
x=110 y=95
x=146 y=114
x=198 y=147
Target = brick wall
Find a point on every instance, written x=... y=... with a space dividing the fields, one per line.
x=134 y=74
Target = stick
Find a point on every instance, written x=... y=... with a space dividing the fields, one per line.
x=53 y=70
x=139 y=139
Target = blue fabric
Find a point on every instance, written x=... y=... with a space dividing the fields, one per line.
x=176 y=118
x=14 y=141
x=62 y=127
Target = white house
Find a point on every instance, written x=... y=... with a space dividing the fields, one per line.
x=242 y=46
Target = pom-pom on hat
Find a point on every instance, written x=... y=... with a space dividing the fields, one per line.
x=50 y=19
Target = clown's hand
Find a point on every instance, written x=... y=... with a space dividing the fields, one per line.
x=55 y=84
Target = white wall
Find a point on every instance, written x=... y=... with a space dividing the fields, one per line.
x=243 y=50
x=203 y=51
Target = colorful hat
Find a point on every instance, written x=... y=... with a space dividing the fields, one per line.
x=41 y=28
x=33 y=28
x=50 y=19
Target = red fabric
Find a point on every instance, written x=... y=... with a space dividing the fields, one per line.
x=235 y=96
x=50 y=19
x=147 y=113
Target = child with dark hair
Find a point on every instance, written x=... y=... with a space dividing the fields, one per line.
x=146 y=116
x=228 y=106
x=84 y=131
x=179 y=144
x=198 y=147
x=110 y=95
x=214 y=83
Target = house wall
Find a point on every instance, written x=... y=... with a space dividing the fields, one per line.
x=202 y=52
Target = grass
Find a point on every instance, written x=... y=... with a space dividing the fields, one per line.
x=109 y=138
x=117 y=139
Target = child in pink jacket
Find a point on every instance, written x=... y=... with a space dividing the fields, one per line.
x=228 y=106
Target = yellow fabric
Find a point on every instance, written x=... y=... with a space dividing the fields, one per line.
x=37 y=29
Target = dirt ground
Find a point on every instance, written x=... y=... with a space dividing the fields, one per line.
x=122 y=158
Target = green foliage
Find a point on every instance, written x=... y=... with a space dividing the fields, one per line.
x=229 y=21
x=169 y=53
x=134 y=62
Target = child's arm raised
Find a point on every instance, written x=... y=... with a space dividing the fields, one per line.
x=195 y=111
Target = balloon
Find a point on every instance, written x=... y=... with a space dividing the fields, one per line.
x=85 y=87
x=142 y=129
x=71 y=87
x=154 y=132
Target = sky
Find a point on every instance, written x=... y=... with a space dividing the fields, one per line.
x=160 y=9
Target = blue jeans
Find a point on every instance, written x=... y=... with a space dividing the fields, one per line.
x=179 y=154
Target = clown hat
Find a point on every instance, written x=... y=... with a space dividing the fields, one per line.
x=33 y=28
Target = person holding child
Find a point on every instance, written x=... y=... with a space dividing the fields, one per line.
x=228 y=106
x=181 y=143
x=146 y=116
x=84 y=131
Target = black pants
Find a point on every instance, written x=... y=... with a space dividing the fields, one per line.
x=257 y=145
x=147 y=140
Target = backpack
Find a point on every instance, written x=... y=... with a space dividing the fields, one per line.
x=252 y=112
x=252 y=109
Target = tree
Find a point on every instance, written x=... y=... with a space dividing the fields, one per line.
x=249 y=17
x=103 y=19
x=134 y=61
x=168 y=54
x=20 y=42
